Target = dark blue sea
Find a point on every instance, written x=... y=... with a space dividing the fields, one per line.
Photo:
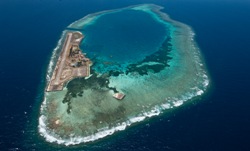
x=220 y=120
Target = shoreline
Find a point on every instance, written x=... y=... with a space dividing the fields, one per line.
x=70 y=64
x=156 y=110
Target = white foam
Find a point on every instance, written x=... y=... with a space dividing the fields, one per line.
x=200 y=92
x=155 y=111
x=178 y=103
x=166 y=106
x=53 y=57
x=137 y=119
x=73 y=140
x=50 y=136
x=206 y=80
x=44 y=132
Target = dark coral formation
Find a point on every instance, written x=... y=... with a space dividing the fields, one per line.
x=77 y=86
x=161 y=56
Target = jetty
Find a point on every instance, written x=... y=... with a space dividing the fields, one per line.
x=72 y=63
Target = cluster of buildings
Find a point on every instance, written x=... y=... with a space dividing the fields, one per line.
x=76 y=58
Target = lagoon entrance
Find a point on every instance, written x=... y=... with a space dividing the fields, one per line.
x=137 y=51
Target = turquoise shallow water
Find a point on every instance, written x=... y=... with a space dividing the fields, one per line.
x=158 y=79
x=116 y=39
x=218 y=123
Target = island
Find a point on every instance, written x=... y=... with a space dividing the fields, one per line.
x=72 y=63
x=118 y=67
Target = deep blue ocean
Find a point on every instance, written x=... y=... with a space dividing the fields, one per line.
x=218 y=121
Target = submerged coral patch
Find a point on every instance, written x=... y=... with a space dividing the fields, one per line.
x=153 y=71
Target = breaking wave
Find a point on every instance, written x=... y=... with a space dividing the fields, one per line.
x=54 y=57
x=169 y=102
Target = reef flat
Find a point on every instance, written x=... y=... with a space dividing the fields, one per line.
x=154 y=60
